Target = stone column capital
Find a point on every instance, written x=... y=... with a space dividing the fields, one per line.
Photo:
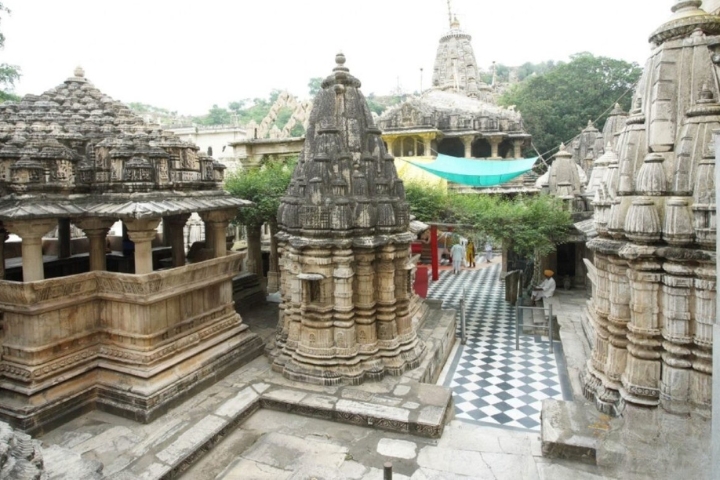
x=142 y=229
x=93 y=225
x=31 y=229
x=218 y=216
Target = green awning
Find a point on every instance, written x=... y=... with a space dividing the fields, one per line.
x=475 y=172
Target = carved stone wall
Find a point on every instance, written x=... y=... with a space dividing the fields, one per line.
x=128 y=343
x=654 y=289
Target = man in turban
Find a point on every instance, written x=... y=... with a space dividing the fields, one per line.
x=546 y=289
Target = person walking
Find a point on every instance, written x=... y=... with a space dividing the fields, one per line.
x=457 y=253
x=470 y=254
x=488 y=251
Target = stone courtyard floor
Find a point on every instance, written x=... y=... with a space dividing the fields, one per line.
x=254 y=424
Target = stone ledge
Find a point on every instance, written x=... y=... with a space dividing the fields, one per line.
x=568 y=433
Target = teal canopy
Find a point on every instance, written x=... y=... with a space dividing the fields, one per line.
x=476 y=173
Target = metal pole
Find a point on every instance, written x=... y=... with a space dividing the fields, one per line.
x=463 y=335
x=518 y=312
x=387 y=471
x=434 y=260
x=550 y=324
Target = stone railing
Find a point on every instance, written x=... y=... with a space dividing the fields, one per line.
x=64 y=325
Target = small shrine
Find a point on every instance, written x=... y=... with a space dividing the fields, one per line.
x=131 y=342
x=346 y=276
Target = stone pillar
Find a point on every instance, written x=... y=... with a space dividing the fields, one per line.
x=390 y=143
x=495 y=142
x=517 y=148
x=142 y=231
x=427 y=144
x=467 y=142
x=702 y=376
x=31 y=232
x=174 y=233
x=344 y=333
x=254 y=255
x=216 y=221
x=402 y=295
x=387 y=304
x=641 y=380
x=676 y=302
x=64 y=248
x=715 y=448
x=209 y=240
x=615 y=325
x=364 y=298
x=3 y=237
x=96 y=229
x=274 y=272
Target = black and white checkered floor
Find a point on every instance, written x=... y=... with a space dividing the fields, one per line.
x=492 y=382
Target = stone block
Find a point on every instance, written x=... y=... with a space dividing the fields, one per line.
x=567 y=433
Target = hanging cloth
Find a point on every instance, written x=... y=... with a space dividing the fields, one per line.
x=475 y=172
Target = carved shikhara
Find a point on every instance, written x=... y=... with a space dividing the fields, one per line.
x=346 y=295
x=654 y=289
x=136 y=337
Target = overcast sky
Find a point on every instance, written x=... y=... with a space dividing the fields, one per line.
x=187 y=55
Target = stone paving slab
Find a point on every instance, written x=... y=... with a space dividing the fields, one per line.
x=172 y=443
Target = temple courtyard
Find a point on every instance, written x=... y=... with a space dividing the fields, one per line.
x=256 y=424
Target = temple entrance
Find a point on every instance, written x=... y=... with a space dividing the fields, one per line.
x=565 y=261
x=481 y=149
x=451 y=146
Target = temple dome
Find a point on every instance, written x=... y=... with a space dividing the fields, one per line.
x=345 y=183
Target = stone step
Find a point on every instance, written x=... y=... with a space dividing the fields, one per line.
x=571 y=431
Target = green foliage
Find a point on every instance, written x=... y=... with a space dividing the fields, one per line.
x=283 y=116
x=528 y=69
x=216 y=116
x=529 y=224
x=314 y=86
x=298 y=130
x=264 y=187
x=427 y=202
x=9 y=74
x=557 y=105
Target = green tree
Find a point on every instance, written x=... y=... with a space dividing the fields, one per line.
x=263 y=186
x=314 y=86
x=216 y=116
x=428 y=202
x=9 y=74
x=530 y=225
x=557 y=105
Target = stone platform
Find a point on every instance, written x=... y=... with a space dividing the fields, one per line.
x=639 y=443
x=169 y=445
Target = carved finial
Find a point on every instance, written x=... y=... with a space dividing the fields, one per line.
x=450 y=15
x=340 y=63
x=340 y=59
x=79 y=72
x=455 y=23
x=617 y=110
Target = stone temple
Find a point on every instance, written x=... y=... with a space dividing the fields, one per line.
x=346 y=282
x=457 y=116
x=131 y=343
x=654 y=281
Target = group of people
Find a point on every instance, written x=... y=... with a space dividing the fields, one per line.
x=458 y=253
